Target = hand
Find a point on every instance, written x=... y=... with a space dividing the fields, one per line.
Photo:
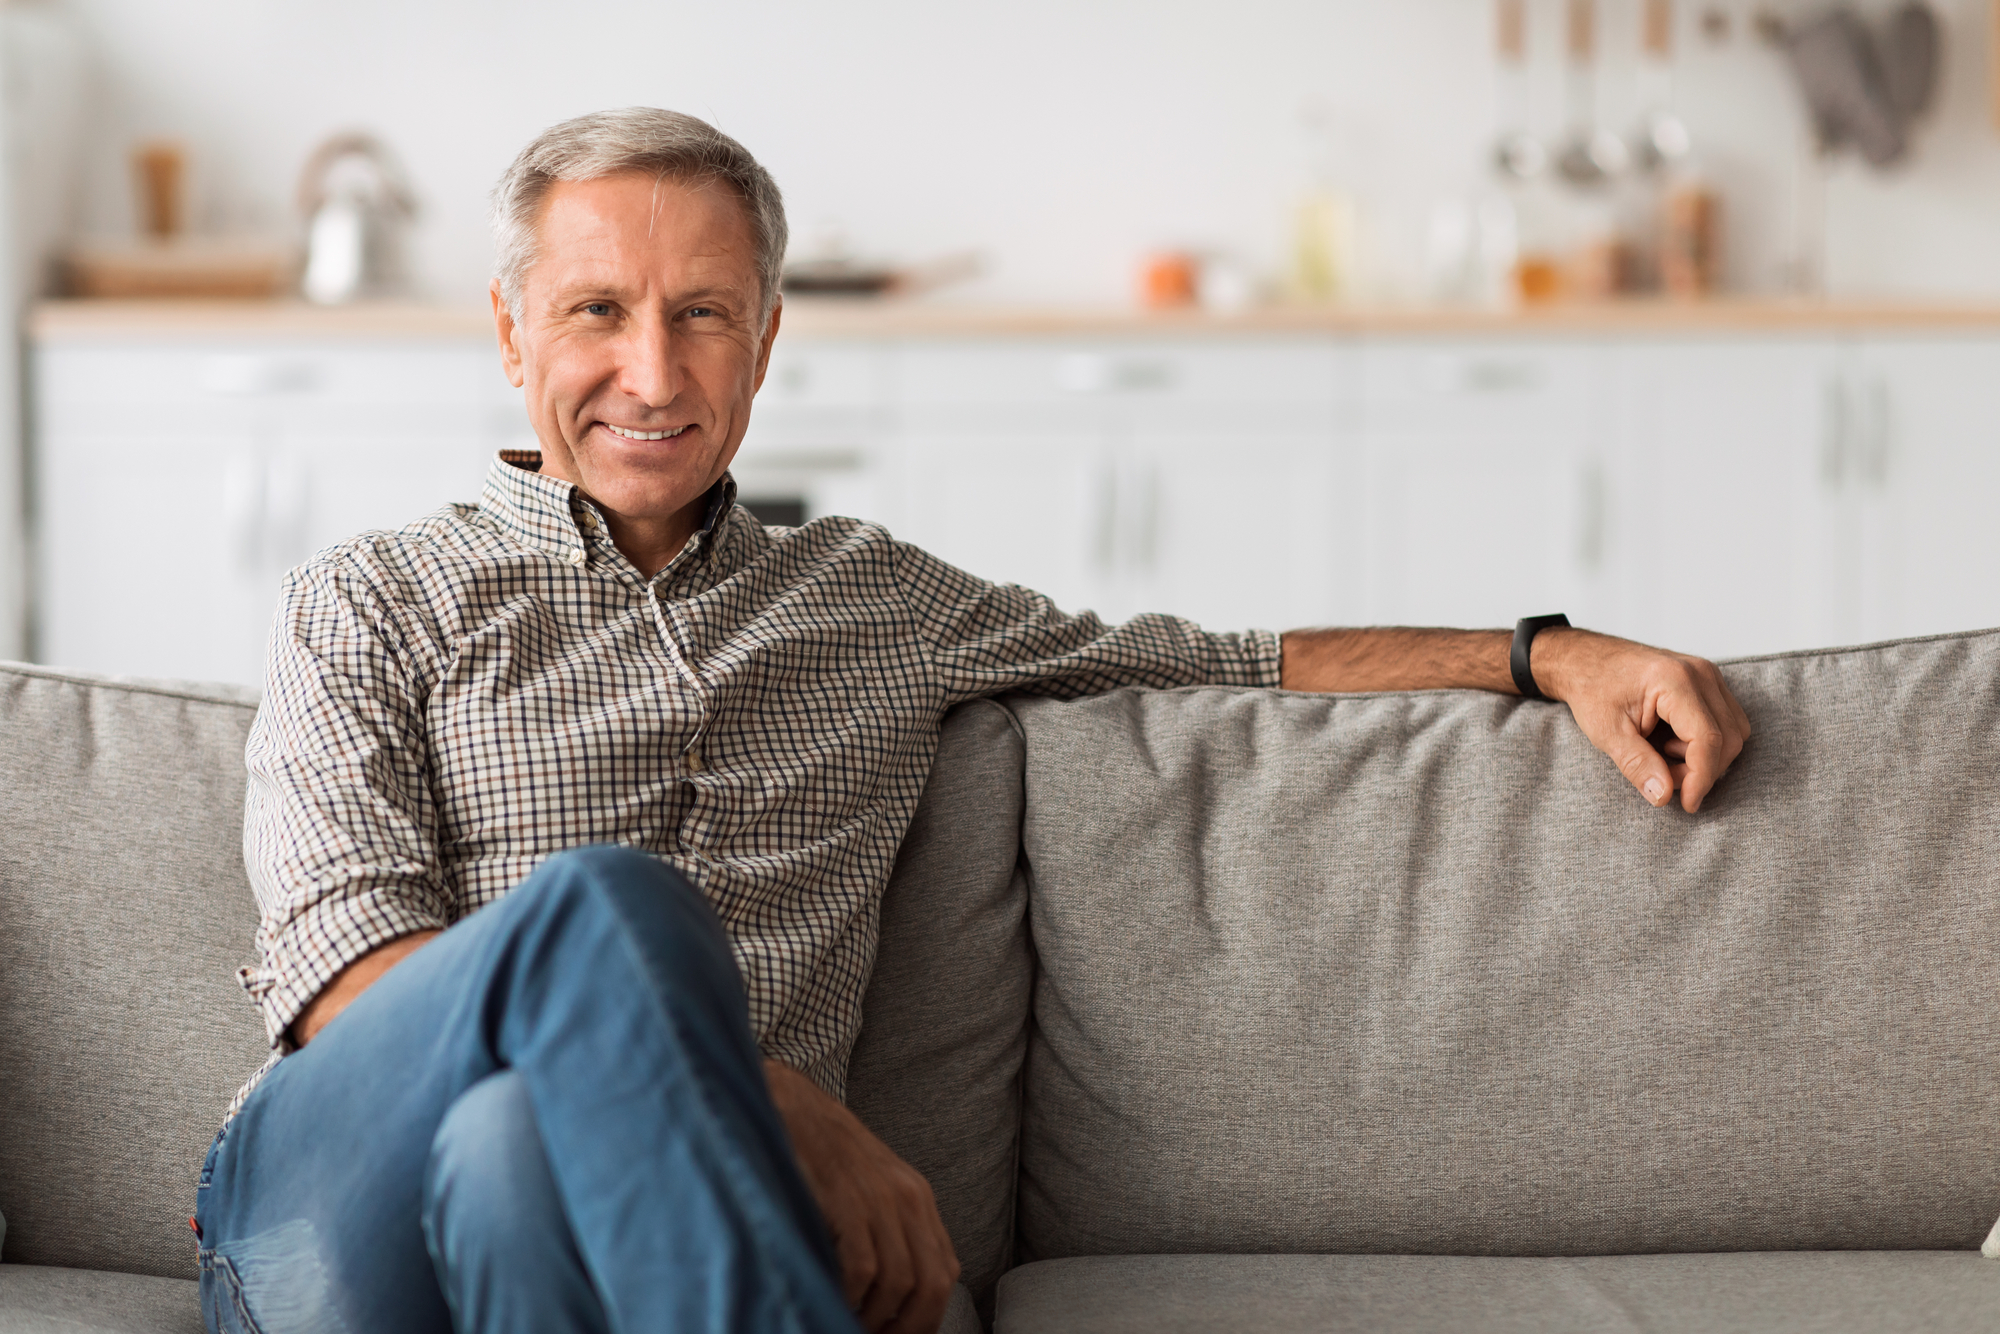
x=896 y=1257
x=350 y=982
x=1619 y=692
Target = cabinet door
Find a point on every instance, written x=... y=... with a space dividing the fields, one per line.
x=152 y=563
x=215 y=468
x=1921 y=468
x=1729 y=539
x=1489 y=469
x=1231 y=533
x=1023 y=509
x=1132 y=475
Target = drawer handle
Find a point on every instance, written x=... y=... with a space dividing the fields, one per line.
x=1095 y=373
x=238 y=376
x=1500 y=377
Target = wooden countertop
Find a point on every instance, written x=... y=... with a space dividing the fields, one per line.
x=73 y=320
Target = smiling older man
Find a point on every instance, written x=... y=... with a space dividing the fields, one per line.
x=570 y=812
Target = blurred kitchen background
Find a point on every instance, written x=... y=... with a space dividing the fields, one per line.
x=1681 y=317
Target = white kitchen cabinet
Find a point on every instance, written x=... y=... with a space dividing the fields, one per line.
x=1724 y=493
x=819 y=435
x=1198 y=478
x=1489 y=470
x=211 y=468
x=1915 y=472
x=1726 y=540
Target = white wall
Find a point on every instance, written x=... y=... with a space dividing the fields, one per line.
x=1060 y=137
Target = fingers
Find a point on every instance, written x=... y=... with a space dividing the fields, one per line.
x=1711 y=726
x=858 y=1263
x=1644 y=767
x=893 y=1279
x=936 y=1271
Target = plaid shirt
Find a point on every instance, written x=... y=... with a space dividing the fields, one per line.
x=449 y=704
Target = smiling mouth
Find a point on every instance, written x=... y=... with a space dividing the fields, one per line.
x=643 y=435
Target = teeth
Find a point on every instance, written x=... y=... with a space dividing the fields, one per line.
x=644 y=435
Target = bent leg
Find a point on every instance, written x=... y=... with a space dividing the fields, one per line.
x=494 y=1222
x=606 y=984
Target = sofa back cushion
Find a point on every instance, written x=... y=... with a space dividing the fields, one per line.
x=936 y=1069
x=1421 y=973
x=124 y=913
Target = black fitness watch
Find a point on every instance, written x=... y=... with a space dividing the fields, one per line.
x=1525 y=631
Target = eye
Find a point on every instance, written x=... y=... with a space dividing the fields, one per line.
x=598 y=308
x=698 y=311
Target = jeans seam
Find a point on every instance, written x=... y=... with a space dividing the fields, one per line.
x=232 y=1283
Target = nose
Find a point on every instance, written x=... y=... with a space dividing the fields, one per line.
x=649 y=368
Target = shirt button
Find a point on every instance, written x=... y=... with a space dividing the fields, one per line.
x=589 y=522
x=693 y=761
x=577 y=557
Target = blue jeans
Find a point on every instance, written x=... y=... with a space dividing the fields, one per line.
x=551 y=1117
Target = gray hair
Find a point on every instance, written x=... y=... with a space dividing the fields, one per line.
x=664 y=144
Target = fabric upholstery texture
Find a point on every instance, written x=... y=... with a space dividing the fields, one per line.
x=1855 y=1292
x=944 y=1024
x=37 y=1299
x=124 y=913
x=1421 y=974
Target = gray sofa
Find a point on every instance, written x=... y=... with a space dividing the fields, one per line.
x=1217 y=1008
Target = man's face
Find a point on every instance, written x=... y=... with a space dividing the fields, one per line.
x=638 y=342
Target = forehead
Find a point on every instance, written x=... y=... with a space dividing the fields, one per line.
x=637 y=224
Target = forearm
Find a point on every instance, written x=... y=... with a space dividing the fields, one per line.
x=1396 y=659
x=350 y=982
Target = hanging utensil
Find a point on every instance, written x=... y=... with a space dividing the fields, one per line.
x=1592 y=155
x=1516 y=152
x=1662 y=138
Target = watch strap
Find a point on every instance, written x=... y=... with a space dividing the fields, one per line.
x=1525 y=631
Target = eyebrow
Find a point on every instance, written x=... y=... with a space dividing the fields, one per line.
x=593 y=291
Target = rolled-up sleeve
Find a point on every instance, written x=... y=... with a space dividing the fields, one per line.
x=340 y=825
x=986 y=638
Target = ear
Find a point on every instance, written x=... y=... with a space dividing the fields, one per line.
x=510 y=350
x=770 y=336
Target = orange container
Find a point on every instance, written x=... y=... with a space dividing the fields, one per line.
x=1169 y=280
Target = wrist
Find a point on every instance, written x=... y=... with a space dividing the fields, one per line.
x=1551 y=659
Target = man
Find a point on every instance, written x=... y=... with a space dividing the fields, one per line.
x=532 y=1082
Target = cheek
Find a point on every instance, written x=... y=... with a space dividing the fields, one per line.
x=563 y=375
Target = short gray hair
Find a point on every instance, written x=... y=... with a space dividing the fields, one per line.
x=664 y=144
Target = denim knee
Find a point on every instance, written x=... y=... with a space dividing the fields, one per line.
x=583 y=870
x=487 y=1161
x=637 y=886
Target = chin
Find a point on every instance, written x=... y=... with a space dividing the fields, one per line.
x=653 y=496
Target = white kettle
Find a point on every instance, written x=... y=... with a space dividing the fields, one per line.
x=356 y=205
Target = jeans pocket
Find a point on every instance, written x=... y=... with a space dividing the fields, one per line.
x=276 y=1280
x=222 y=1308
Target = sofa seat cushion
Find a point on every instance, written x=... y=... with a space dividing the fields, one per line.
x=42 y=1299
x=1849 y=1291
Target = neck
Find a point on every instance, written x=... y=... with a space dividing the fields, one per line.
x=650 y=542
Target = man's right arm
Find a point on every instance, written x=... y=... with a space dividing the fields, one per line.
x=339 y=820
x=350 y=982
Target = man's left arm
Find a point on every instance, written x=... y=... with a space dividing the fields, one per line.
x=1618 y=691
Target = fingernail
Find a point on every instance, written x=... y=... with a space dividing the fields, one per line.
x=1655 y=790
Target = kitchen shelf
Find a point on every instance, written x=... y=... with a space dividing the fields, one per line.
x=71 y=320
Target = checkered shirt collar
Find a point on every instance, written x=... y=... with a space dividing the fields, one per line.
x=546 y=512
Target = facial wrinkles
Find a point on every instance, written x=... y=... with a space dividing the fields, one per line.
x=611 y=374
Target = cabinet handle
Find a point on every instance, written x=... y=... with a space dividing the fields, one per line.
x=1874 y=442
x=285 y=500
x=1590 y=518
x=1833 y=443
x=1146 y=527
x=1104 y=536
x=243 y=510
